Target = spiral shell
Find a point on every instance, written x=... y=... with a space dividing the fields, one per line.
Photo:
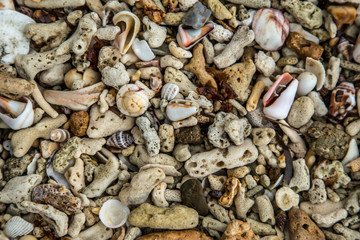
x=17 y=227
x=345 y=48
x=132 y=100
x=120 y=140
x=169 y=91
x=155 y=83
x=59 y=135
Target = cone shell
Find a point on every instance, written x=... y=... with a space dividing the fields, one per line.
x=17 y=227
x=59 y=135
x=113 y=213
x=187 y=38
x=120 y=140
x=129 y=24
x=23 y=120
x=169 y=91
x=179 y=109
x=132 y=100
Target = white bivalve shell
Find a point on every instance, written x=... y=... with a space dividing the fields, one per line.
x=286 y=198
x=271 y=28
x=179 y=109
x=17 y=227
x=307 y=82
x=169 y=91
x=142 y=50
x=113 y=213
x=16 y=114
x=132 y=100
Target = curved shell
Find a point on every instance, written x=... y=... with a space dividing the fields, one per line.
x=22 y=111
x=129 y=24
x=120 y=140
x=307 y=82
x=132 y=100
x=279 y=98
x=142 y=50
x=356 y=51
x=179 y=109
x=113 y=213
x=59 y=135
x=169 y=91
x=187 y=38
x=17 y=227
x=155 y=83
x=317 y=68
x=271 y=28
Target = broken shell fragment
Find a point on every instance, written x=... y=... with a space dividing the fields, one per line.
x=142 y=50
x=279 y=98
x=129 y=24
x=17 y=227
x=356 y=51
x=16 y=114
x=342 y=101
x=169 y=91
x=120 y=140
x=131 y=100
x=317 y=68
x=155 y=84
x=179 y=109
x=59 y=135
x=271 y=28
x=307 y=82
x=187 y=38
x=113 y=213
x=7 y=5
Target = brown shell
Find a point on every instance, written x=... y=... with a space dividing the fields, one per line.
x=120 y=140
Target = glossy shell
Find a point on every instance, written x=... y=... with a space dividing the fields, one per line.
x=132 y=100
x=113 y=213
x=342 y=101
x=169 y=91
x=16 y=114
x=179 y=109
x=142 y=50
x=155 y=84
x=317 y=68
x=271 y=28
x=279 y=98
x=307 y=82
x=17 y=227
x=120 y=140
x=59 y=135
x=187 y=38
x=129 y=24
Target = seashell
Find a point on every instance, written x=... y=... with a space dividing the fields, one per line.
x=120 y=140
x=16 y=114
x=129 y=24
x=342 y=14
x=132 y=100
x=59 y=135
x=155 y=84
x=179 y=109
x=197 y=16
x=169 y=91
x=152 y=63
x=342 y=101
x=345 y=48
x=307 y=82
x=317 y=68
x=356 y=51
x=142 y=50
x=127 y=163
x=17 y=227
x=58 y=177
x=7 y=5
x=279 y=98
x=187 y=38
x=271 y=28
x=113 y=213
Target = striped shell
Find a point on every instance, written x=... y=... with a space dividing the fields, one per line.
x=155 y=83
x=120 y=140
x=17 y=227
x=169 y=91
x=59 y=135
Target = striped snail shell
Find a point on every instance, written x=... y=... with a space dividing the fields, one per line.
x=120 y=140
x=59 y=135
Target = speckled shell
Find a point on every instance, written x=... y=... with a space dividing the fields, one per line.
x=113 y=213
x=26 y=117
x=17 y=227
x=120 y=140
x=169 y=91
x=279 y=98
x=155 y=83
x=59 y=135
x=179 y=109
x=271 y=28
x=342 y=101
x=132 y=100
x=187 y=38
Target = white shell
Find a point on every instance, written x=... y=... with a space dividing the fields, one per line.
x=179 y=109
x=307 y=82
x=132 y=100
x=142 y=50
x=58 y=177
x=352 y=154
x=24 y=120
x=356 y=51
x=113 y=213
x=17 y=227
x=59 y=135
x=169 y=91
x=317 y=68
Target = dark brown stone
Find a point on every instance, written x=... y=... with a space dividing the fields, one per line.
x=190 y=135
x=192 y=195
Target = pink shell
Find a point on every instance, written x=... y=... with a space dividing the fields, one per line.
x=342 y=101
x=187 y=38
x=271 y=28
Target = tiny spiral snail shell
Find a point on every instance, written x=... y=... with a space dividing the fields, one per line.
x=59 y=135
x=120 y=140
